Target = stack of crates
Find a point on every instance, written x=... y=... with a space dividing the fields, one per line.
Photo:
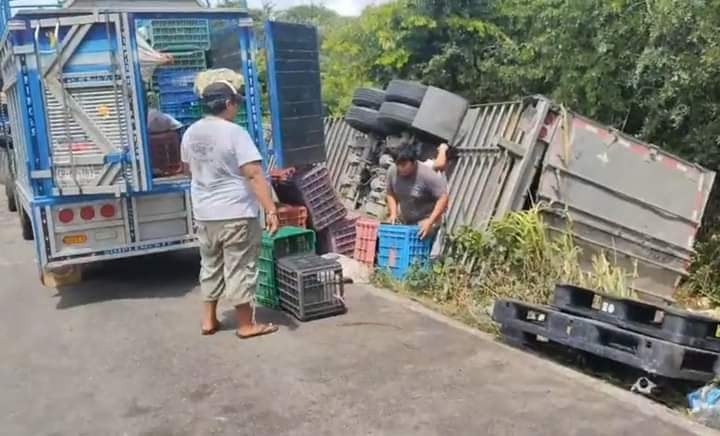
x=313 y=189
x=188 y=41
x=400 y=247
x=366 y=235
x=339 y=238
x=285 y=242
x=310 y=287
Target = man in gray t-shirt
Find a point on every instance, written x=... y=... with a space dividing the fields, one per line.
x=416 y=194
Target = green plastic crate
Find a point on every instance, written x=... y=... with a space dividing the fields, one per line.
x=286 y=241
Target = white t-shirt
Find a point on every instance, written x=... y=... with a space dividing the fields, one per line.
x=215 y=149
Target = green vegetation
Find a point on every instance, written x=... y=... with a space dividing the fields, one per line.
x=514 y=257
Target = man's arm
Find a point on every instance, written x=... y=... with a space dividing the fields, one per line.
x=390 y=197
x=440 y=162
x=253 y=172
x=439 y=189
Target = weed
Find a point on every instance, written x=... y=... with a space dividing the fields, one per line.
x=514 y=257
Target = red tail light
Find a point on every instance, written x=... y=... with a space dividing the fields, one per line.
x=87 y=213
x=66 y=215
x=107 y=211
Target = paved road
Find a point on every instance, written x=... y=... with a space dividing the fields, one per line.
x=121 y=354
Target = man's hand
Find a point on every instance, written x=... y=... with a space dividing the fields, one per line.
x=271 y=222
x=426 y=226
x=392 y=219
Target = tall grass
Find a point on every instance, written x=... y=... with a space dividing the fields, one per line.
x=515 y=257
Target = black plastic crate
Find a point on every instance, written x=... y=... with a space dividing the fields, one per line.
x=310 y=287
x=313 y=189
x=522 y=322
x=663 y=322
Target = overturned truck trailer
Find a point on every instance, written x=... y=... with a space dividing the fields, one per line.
x=637 y=203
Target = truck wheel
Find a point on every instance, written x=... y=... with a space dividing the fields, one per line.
x=403 y=91
x=365 y=120
x=397 y=116
x=368 y=97
x=10 y=195
x=26 y=224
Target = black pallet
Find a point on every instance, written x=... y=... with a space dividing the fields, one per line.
x=670 y=324
x=523 y=322
x=310 y=287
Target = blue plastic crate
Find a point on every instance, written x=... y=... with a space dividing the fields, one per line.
x=177 y=97
x=174 y=77
x=399 y=248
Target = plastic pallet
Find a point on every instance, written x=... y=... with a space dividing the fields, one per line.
x=286 y=241
x=670 y=324
x=522 y=322
x=339 y=237
x=310 y=287
x=313 y=189
x=366 y=231
x=399 y=248
x=292 y=215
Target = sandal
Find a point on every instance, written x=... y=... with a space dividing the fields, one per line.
x=266 y=329
x=211 y=331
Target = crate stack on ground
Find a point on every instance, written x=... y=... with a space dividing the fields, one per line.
x=188 y=41
x=366 y=238
x=659 y=340
x=312 y=189
x=287 y=241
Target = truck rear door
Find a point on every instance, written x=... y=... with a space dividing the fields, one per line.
x=89 y=105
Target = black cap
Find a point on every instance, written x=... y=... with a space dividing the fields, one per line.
x=219 y=91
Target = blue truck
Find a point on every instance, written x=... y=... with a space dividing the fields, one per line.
x=88 y=184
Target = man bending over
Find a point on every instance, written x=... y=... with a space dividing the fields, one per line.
x=416 y=194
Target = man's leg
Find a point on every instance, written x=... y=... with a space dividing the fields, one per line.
x=212 y=282
x=241 y=247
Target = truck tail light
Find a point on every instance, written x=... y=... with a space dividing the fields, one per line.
x=107 y=211
x=87 y=213
x=66 y=215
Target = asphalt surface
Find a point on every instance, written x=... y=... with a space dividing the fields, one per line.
x=122 y=354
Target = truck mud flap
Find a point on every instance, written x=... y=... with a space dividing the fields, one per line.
x=662 y=322
x=523 y=322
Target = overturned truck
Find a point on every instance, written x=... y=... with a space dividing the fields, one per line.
x=616 y=193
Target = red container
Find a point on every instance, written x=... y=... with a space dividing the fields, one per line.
x=165 y=154
x=295 y=216
x=366 y=235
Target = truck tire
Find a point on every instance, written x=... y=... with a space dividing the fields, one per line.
x=368 y=97
x=406 y=92
x=397 y=116
x=365 y=120
x=10 y=195
x=26 y=224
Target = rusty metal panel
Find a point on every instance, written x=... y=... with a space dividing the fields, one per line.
x=339 y=137
x=641 y=205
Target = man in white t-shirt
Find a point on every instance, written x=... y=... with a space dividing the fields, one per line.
x=228 y=182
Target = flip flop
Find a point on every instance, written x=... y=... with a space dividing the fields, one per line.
x=266 y=330
x=212 y=331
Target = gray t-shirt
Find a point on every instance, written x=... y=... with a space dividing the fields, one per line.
x=215 y=149
x=417 y=194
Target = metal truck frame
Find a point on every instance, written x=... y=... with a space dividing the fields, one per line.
x=73 y=72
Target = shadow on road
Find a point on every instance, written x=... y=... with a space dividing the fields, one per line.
x=166 y=275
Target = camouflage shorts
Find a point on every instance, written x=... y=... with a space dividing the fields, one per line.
x=229 y=252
